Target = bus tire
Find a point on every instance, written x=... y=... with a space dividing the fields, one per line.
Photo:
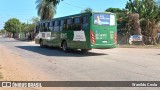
x=84 y=50
x=41 y=43
x=64 y=46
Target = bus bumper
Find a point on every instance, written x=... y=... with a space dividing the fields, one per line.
x=106 y=46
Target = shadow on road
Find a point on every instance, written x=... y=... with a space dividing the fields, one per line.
x=57 y=52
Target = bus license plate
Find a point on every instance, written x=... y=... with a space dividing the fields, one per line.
x=104 y=41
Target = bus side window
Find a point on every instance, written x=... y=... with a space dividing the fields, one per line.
x=43 y=27
x=77 y=23
x=65 y=23
x=62 y=25
x=56 y=26
x=84 y=22
x=69 y=24
x=37 y=28
x=51 y=26
x=46 y=27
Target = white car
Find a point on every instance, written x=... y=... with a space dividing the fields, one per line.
x=135 y=38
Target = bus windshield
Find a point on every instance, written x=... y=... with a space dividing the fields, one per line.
x=104 y=19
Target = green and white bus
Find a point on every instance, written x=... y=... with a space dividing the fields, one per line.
x=85 y=31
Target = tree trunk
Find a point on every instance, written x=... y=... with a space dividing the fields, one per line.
x=147 y=33
x=13 y=35
x=154 y=34
x=135 y=24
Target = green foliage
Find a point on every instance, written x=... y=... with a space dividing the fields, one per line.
x=87 y=10
x=35 y=19
x=2 y=31
x=46 y=8
x=134 y=6
x=114 y=10
x=25 y=27
x=28 y=27
x=54 y=2
x=147 y=9
x=12 y=25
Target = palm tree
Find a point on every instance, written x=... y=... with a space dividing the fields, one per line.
x=55 y=2
x=46 y=9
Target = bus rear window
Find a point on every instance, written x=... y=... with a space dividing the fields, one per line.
x=104 y=19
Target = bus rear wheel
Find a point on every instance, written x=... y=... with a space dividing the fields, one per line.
x=64 y=46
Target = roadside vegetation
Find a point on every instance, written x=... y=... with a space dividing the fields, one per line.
x=13 y=28
x=140 y=17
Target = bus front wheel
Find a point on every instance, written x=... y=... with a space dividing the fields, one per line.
x=64 y=46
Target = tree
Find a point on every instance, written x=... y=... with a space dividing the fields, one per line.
x=55 y=2
x=30 y=27
x=2 y=31
x=87 y=10
x=148 y=12
x=134 y=8
x=13 y=26
x=46 y=9
x=35 y=19
x=114 y=10
x=23 y=27
x=27 y=30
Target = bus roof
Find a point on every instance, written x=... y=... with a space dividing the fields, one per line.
x=75 y=15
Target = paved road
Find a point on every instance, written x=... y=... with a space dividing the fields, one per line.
x=119 y=64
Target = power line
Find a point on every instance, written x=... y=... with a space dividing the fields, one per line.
x=73 y=5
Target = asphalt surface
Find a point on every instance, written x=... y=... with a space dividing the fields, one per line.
x=119 y=64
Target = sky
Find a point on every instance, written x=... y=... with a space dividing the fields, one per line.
x=24 y=10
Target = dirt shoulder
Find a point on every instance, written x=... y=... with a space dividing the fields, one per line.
x=14 y=68
x=140 y=46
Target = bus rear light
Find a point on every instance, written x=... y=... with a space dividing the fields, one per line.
x=115 y=38
x=92 y=37
x=92 y=34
